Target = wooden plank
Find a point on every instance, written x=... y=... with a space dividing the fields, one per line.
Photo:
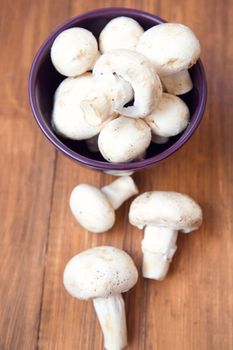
x=27 y=172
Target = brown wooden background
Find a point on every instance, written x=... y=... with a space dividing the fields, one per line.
x=193 y=308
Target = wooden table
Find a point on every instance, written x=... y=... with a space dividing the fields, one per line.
x=193 y=308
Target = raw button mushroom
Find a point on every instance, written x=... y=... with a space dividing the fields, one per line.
x=169 y=119
x=102 y=274
x=124 y=139
x=67 y=117
x=106 y=97
x=172 y=48
x=120 y=33
x=162 y=214
x=138 y=72
x=74 y=51
x=95 y=209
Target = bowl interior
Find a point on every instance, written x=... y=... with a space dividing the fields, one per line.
x=45 y=79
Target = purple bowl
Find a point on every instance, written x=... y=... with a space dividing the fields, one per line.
x=44 y=80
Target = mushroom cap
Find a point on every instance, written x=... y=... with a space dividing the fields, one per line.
x=120 y=33
x=136 y=70
x=174 y=210
x=74 y=51
x=171 y=47
x=91 y=208
x=124 y=139
x=170 y=118
x=99 y=273
x=67 y=116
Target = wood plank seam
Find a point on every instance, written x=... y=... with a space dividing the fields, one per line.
x=46 y=247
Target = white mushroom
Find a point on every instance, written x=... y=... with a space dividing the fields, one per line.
x=106 y=97
x=102 y=274
x=120 y=33
x=169 y=119
x=124 y=139
x=74 y=51
x=162 y=214
x=172 y=48
x=67 y=116
x=138 y=72
x=94 y=209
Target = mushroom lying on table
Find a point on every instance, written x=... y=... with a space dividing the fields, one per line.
x=173 y=49
x=95 y=209
x=169 y=119
x=102 y=274
x=120 y=33
x=124 y=139
x=74 y=51
x=137 y=70
x=162 y=214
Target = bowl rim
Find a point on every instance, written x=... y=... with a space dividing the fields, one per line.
x=104 y=165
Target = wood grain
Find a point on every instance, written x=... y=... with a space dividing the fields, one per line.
x=193 y=308
x=27 y=166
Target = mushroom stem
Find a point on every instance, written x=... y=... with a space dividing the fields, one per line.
x=111 y=315
x=120 y=190
x=158 y=247
x=179 y=83
x=159 y=139
x=97 y=108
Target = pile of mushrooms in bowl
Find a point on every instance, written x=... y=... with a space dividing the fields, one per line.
x=124 y=104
